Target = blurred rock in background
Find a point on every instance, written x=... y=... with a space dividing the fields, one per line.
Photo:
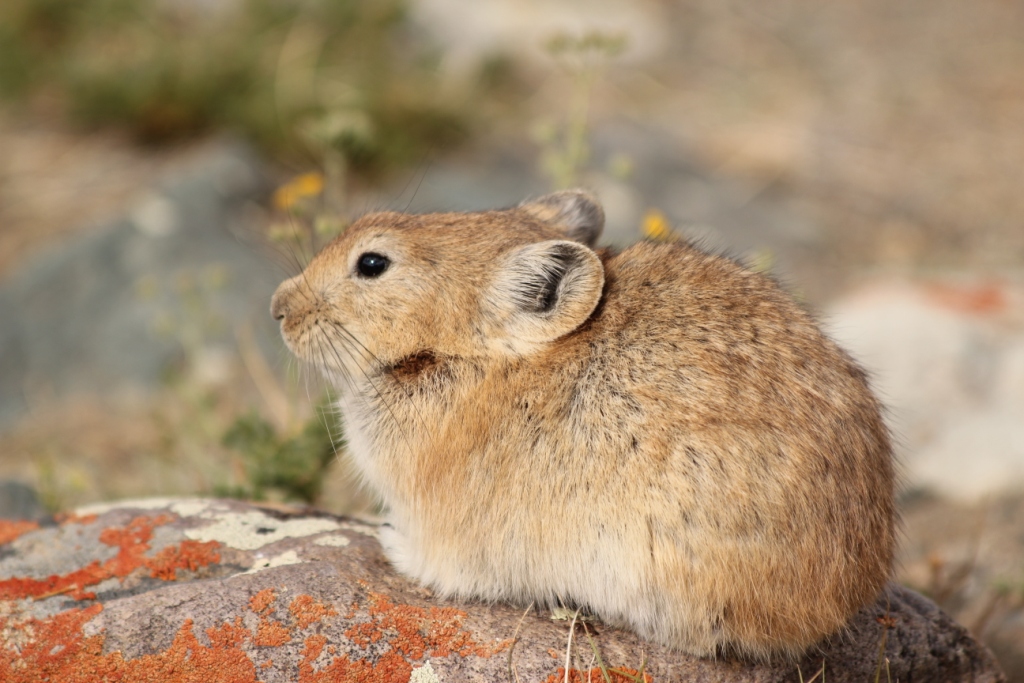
x=105 y=309
x=947 y=358
x=19 y=501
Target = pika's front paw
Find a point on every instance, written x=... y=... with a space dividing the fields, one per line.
x=396 y=548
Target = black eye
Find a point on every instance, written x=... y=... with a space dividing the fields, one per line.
x=372 y=265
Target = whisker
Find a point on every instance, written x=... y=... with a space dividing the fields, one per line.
x=341 y=369
x=363 y=483
x=278 y=256
x=419 y=415
x=376 y=389
x=298 y=235
x=323 y=417
x=287 y=250
x=425 y=168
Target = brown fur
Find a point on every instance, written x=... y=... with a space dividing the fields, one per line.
x=664 y=437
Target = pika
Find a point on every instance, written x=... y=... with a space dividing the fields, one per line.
x=658 y=435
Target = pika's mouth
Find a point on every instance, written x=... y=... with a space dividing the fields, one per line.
x=305 y=328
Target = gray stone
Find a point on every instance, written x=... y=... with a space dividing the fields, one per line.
x=947 y=358
x=86 y=315
x=19 y=501
x=230 y=591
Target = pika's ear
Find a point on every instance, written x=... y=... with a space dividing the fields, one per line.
x=543 y=291
x=576 y=212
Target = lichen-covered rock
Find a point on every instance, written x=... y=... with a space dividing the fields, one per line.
x=210 y=590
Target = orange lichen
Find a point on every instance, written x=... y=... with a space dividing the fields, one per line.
x=445 y=635
x=55 y=642
x=56 y=648
x=270 y=633
x=58 y=651
x=190 y=555
x=187 y=660
x=413 y=631
x=313 y=648
x=11 y=529
x=314 y=645
x=72 y=584
x=227 y=634
x=262 y=601
x=132 y=542
x=617 y=675
x=982 y=298
x=72 y=518
x=391 y=667
x=308 y=611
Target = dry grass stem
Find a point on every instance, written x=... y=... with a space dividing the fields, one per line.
x=512 y=673
x=568 y=646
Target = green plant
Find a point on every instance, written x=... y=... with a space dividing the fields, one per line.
x=302 y=78
x=292 y=466
x=564 y=147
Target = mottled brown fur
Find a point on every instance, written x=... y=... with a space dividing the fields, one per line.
x=658 y=434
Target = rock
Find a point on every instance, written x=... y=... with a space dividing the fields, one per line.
x=19 y=501
x=947 y=358
x=200 y=590
x=115 y=306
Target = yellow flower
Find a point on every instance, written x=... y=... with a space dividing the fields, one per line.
x=305 y=185
x=656 y=227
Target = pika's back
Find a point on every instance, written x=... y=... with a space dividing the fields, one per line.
x=729 y=338
x=764 y=446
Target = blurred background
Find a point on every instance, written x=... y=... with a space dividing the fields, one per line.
x=164 y=164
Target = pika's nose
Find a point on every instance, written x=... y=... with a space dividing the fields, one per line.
x=279 y=302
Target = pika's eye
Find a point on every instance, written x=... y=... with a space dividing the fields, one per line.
x=372 y=265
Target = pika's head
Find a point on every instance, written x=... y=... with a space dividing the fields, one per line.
x=395 y=286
